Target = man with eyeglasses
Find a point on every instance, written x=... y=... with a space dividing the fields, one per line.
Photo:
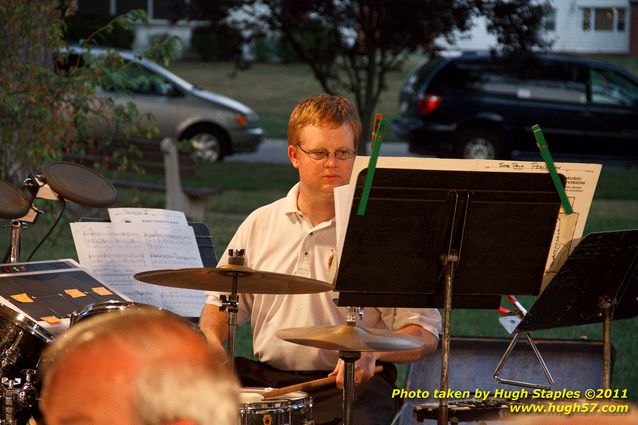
x=296 y=235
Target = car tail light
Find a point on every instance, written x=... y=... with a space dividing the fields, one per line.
x=428 y=103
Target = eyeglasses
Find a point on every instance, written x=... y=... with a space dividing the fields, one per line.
x=322 y=154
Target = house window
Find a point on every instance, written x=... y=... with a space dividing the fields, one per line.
x=620 y=24
x=604 y=19
x=123 y=6
x=586 y=19
x=549 y=20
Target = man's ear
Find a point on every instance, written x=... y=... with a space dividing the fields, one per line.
x=293 y=155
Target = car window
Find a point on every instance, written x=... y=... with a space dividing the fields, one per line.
x=136 y=79
x=534 y=80
x=552 y=81
x=611 y=88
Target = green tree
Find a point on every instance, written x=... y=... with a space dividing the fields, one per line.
x=46 y=101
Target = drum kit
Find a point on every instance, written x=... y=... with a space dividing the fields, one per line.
x=350 y=340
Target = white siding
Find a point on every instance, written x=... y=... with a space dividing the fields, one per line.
x=569 y=35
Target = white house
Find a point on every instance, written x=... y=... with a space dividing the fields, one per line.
x=575 y=26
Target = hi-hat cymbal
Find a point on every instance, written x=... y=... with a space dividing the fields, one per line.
x=221 y=279
x=349 y=338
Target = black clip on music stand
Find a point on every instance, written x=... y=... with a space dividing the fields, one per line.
x=597 y=283
x=430 y=236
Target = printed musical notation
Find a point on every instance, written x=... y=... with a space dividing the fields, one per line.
x=147 y=216
x=114 y=252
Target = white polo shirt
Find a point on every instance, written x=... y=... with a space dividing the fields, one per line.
x=277 y=238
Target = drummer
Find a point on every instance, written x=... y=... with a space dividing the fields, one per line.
x=296 y=235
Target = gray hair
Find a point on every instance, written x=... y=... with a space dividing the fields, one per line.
x=185 y=391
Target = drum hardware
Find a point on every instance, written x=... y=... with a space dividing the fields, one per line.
x=293 y=408
x=9 y=355
x=21 y=343
x=350 y=340
x=18 y=398
x=234 y=278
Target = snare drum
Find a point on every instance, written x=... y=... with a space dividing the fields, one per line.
x=21 y=343
x=104 y=307
x=294 y=408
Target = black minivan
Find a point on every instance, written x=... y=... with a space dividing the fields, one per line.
x=483 y=106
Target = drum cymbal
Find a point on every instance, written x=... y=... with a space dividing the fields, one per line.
x=13 y=203
x=349 y=338
x=221 y=279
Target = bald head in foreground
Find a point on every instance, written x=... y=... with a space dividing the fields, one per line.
x=137 y=367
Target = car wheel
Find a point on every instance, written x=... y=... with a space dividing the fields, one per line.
x=209 y=144
x=480 y=144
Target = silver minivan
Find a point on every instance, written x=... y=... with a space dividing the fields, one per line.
x=217 y=125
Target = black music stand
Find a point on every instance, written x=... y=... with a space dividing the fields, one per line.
x=597 y=283
x=428 y=234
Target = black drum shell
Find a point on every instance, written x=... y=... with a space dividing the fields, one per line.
x=21 y=343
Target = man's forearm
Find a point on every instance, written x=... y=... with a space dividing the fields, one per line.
x=408 y=356
x=214 y=324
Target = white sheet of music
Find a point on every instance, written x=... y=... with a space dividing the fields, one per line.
x=581 y=181
x=114 y=252
x=147 y=215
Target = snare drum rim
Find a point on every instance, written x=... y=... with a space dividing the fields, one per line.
x=24 y=323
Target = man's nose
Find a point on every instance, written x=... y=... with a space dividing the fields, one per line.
x=331 y=160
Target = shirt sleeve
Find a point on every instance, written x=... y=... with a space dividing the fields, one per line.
x=428 y=318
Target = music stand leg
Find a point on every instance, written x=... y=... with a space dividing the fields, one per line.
x=348 y=357
x=607 y=349
x=449 y=261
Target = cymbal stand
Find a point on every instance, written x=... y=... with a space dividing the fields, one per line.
x=230 y=303
x=16 y=231
x=349 y=357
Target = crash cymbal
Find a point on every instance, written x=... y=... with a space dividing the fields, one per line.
x=348 y=338
x=221 y=279
x=13 y=203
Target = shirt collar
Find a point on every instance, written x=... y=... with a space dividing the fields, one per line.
x=290 y=205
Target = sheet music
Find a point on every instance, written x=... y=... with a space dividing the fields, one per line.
x=114 y=252
x=581 y=181
x=147 y=215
